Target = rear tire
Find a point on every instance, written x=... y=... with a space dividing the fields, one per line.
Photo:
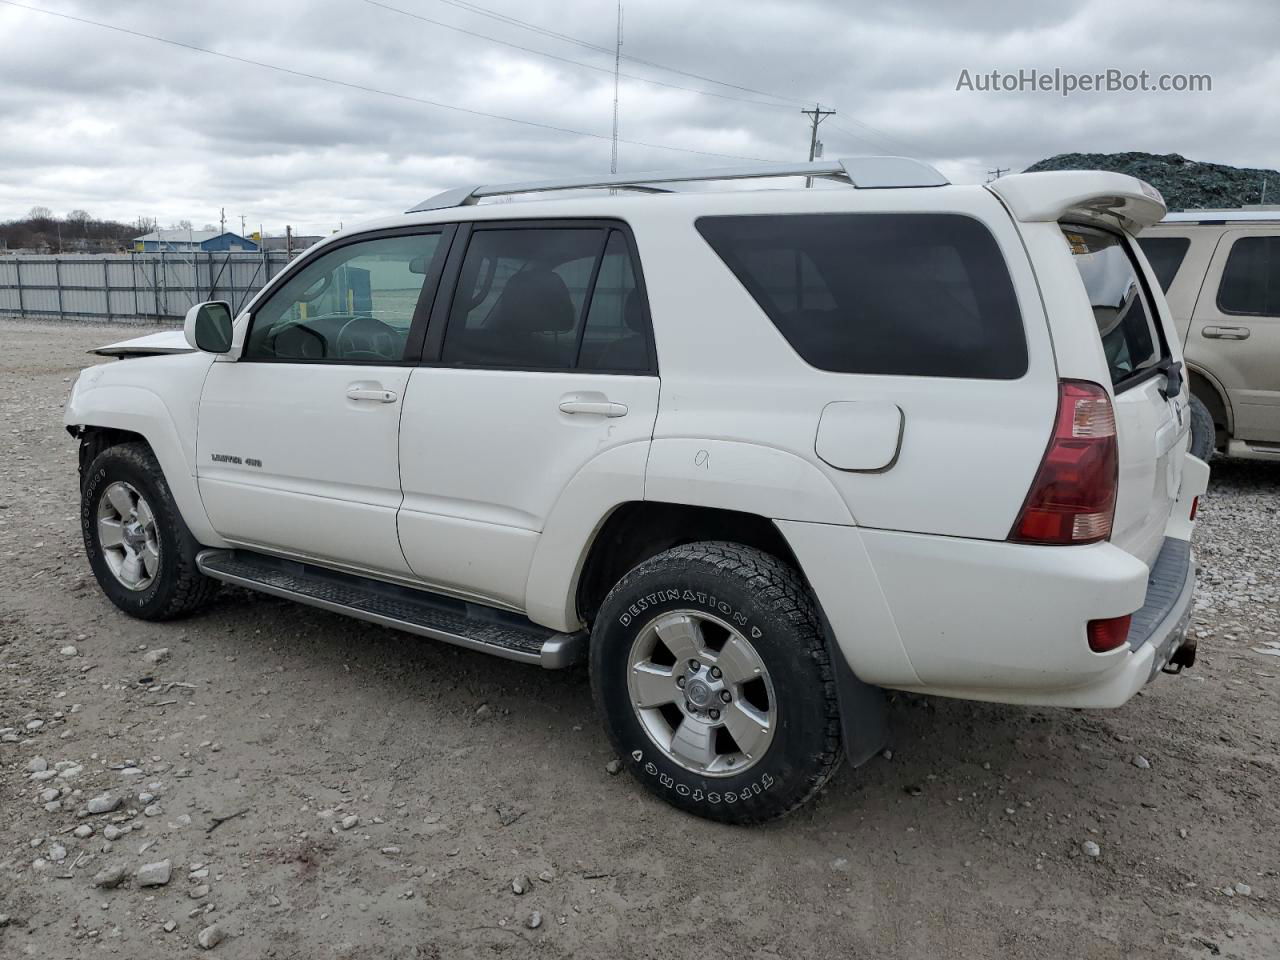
x=754 y=731
x=1203 y=431
x=139 y=547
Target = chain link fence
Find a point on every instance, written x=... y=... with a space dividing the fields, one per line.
x=131 y=287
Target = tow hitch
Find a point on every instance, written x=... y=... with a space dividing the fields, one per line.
x=1183 y=657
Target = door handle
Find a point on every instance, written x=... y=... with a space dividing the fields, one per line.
x=599 y=408
x=1225 y=333
x=376 y=394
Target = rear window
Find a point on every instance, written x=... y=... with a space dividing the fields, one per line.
x=1120 y=310
x=880 y=293
x=1165 y=254
x=1251 y=278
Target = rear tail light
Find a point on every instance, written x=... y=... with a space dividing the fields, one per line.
x=1106 y=635
x=1195 y=506
x=1073 y=497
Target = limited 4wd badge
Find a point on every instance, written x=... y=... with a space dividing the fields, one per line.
x=229 y=458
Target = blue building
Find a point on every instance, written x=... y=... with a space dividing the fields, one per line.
x=192 y=241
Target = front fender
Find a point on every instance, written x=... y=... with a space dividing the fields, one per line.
x=140 y=410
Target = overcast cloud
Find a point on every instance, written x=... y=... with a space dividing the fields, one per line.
x=123 y=126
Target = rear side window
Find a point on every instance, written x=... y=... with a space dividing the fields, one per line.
x=1120 y=310
x=1165 y=254
x=553 y=298
x=1251 y=278
x=880 y=293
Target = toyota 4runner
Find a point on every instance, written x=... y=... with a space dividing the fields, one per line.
x=756 y=455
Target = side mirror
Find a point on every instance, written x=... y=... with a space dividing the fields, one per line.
x=208 y=326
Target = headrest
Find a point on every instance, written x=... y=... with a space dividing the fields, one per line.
x=535 y=300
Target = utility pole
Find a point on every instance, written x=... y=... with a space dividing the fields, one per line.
x=617 y=66
x=997 y=173
x=222 y=214
x=242 y=224
x=816 y=115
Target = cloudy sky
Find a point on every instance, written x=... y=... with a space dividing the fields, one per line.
x=123 y=126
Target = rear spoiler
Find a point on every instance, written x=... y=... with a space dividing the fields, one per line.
x=1081 y=194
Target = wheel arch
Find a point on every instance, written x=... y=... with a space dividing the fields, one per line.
x=637 y=530
x=1206 y=388
x=110 y=415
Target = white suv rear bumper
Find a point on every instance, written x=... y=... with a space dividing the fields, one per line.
x=987 y=620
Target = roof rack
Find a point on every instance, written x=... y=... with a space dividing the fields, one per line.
x=862 y=172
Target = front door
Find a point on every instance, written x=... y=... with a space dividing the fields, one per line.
x=545 y=364
x=297 y=438
x=1235 y=332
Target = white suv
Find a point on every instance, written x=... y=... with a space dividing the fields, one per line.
x=755 y=455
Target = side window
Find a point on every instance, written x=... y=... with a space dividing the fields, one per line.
x=1251 y=278
x=616 y=337
x=1165 y=254
x=354 y=304
x=877 y=293
x=1129 y=336
x=521 y=296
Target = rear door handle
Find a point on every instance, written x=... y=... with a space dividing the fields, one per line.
x=375 y=393
x=599 y=408
x=1226 y=333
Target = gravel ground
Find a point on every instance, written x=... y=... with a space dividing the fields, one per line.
x=318 y=787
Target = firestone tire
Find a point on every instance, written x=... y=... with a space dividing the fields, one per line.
x=1203 y=431
x=760 y=605
x=168 y=585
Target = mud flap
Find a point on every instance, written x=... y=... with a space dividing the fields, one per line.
x=864 y=715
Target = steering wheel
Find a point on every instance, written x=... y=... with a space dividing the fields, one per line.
x=367 y=338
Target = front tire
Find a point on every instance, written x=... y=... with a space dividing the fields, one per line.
x=1203 y=431
x=709 y=667
x=139 y=547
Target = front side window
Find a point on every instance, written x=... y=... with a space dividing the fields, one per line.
x=354 y=304
x=548 y=298
x=1120 y=311
x=880 y=293
x=1165 y=254
x=1251 y=278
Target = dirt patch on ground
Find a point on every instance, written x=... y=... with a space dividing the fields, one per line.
x=381 y=793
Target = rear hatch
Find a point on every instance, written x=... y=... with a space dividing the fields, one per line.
x=1151 y=427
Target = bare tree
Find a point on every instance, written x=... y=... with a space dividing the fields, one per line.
x=79 y=216
x=40 y=213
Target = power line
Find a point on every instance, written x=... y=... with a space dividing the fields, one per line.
x=569 y=60
x=612 y=52
x=817 y=115
x=997 y=173
x=567 y=38
x=366 y=89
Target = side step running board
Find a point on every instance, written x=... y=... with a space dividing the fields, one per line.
x=431 y=615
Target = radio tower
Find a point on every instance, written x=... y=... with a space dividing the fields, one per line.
x=617 y=66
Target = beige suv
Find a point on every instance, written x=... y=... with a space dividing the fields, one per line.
x=1221 y=275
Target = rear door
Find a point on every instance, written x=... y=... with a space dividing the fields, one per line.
x=540 y=361
x=1236 y=329
x=1151 y=429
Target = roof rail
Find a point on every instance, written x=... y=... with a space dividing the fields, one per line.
x=861 y=172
